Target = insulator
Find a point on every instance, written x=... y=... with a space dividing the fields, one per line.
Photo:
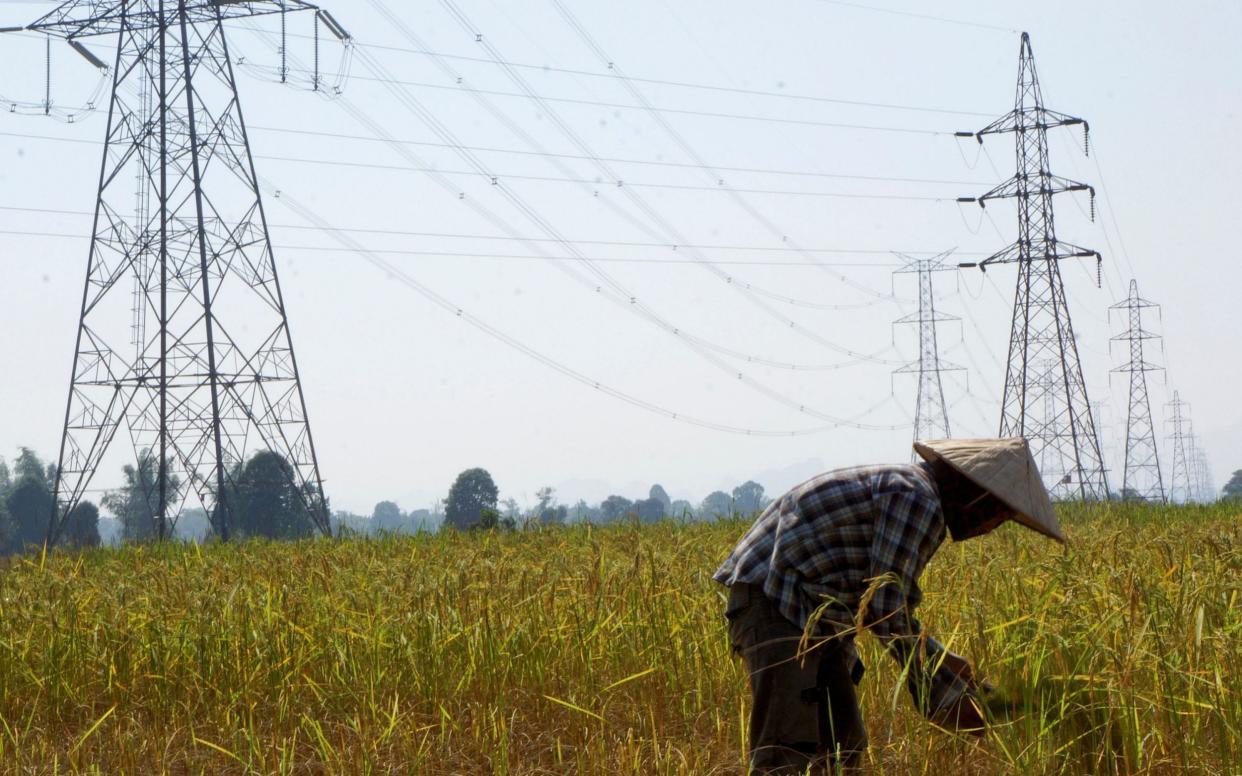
x=1099 y=272
x=47 y=93
x=1086 y=146
x=284 y=46
x=317 y=22
x=1093 y=206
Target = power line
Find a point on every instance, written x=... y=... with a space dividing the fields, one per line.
x=460 y=87
x=459 y=312
x=665 y=81
x=618 y=243
x=923 y=16
x=617 y=183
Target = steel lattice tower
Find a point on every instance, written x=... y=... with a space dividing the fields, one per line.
x=1142 y=478
x=931 y=415
x=1181 y=480
x=1055 y=415
x=183 y=340
x=1203 y=476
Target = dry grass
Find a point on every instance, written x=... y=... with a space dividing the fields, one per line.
x=598 y=651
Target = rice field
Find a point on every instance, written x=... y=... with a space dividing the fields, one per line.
x=600 y=651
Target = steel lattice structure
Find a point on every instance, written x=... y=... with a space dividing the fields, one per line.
x=1054 y=414
x=1182 y=484
x=183 y=338
x=931 y=415
x=1142 y=477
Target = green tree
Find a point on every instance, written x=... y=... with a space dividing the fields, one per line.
x=387 y=518
x=29 y=504
x=137 y=502
x=264 y=499
x=717 y=504
x=681 y=510
x=748 y=498
x=473 y=491
x=547 y=511
x=658 y=493
x=615 y=507
x=1233 y=488
x=82 y=526
x=29 y=466
x=649 y=510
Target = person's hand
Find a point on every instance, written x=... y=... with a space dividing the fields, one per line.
x=964 y=716
x=959 y=666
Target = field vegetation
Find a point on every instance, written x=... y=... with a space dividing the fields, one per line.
x=599 y=651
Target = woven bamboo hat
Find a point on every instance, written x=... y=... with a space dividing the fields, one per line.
x=1004 y=468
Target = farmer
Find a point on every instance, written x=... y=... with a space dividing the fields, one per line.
x=856 y=539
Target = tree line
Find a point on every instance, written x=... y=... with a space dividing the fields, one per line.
x=263 y=500
x=473 y=502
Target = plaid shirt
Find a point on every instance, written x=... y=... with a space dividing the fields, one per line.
x=816 y=550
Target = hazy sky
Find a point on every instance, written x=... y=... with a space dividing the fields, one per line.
x=403 y=394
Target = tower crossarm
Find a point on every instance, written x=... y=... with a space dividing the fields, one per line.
x=1026 y=119
x=1030 y=185
x=86 y=18
x=1039 y=249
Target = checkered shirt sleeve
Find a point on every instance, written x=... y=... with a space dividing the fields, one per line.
x=833 y=537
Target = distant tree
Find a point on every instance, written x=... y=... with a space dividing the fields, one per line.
x=748 y=498
x=512 y=509
x=1233 y=488
x=387 y=518
x=82 y=526
x=421 y=520
x=6 y=479
x=472 y=492
x=491 y=519
x=29 y=466
x=29 y=505
x=193 y=525
x=658 y=493
x=649 y=510
x=582 y=511
x=717 y=504
x=136 y=504
x=8 y=529
x=615 y=507
x=546 y=509
x=263 y=498
x=681 y=510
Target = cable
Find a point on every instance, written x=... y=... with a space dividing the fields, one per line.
x=667 y=82
x=675 y=111
x=924 y=16
x=619 y=243
x=573 y=22
x=650 y=212
x=446 y=304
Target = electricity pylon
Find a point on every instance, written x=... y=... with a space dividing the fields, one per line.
x=1053 y=414
x=1142 y=478
x=1205 y=484
x=1181 y=480
x=931 y=415
x=183 y=340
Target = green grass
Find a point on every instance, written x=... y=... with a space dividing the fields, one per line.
x=599 y=651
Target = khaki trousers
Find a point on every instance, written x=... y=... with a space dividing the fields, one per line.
x=804 y=714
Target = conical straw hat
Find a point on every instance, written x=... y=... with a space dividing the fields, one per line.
x=1004 y=468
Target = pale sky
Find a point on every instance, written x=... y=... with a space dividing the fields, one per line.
x=403 y=395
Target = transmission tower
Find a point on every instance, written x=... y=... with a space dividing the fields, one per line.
x=1050 y=413
x=1205 y=484
x=183 y=340
x=1181 y=481
x=1142 y=478
x=931 y=416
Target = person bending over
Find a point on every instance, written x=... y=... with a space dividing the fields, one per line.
x=842 y=553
